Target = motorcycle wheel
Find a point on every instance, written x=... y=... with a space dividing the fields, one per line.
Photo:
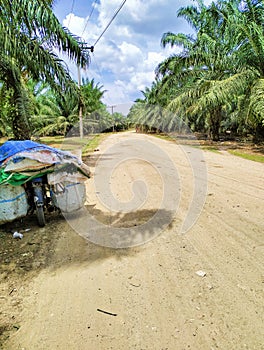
x=40 y=216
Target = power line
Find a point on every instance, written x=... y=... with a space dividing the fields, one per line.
x=92 y=10
x=107 y=98
x=112 y=108
x=72 y=7
x=108 y=25
x=97 y=69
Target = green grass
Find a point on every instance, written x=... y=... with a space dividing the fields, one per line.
x=70 y=142
x=163 y=137
x=210 y=148
x=254 y=157
x=51 y=139
x=93 y=144
x=86 y=144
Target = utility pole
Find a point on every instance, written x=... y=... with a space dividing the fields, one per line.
x=91 y=48
x=112 y=109
x=112 y=112
x=80 y=103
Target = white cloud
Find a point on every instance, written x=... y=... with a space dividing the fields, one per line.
x=74 y=23
x=116 y=93
x=129 y=53
x=126 y=56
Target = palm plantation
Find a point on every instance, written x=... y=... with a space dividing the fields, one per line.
x=38 y=95
x=216 y=82
x=29 y=35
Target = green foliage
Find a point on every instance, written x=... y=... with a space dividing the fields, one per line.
x=91 y=95
x=30 y=34
x=54 y=113
x=216 y=81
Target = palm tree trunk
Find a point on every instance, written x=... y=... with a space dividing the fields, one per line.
x=21 y=130
x=20 y=115
x=214 y=124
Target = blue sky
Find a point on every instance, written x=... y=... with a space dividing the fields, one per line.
x=126 y=56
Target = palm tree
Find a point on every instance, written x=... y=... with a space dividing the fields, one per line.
x=221 y=69
x=4 y=108
x=147 y=113
x=56 y=113
x=17 y=114
x=53 y=113
x=203 y=61
x=96 y=117
x=91 y=96
x=248 y=20
x=30 y=36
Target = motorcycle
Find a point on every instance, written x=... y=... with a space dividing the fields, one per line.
x=47 y=196
x=38 y=178
x=39 y=195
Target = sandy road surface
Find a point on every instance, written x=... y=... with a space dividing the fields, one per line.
x=156 y=299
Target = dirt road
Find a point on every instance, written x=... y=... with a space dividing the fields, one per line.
x=200 y=290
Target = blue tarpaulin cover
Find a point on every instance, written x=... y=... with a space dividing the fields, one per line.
x=20 y=161
x=10 y=148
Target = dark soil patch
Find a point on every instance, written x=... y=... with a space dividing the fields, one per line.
x=20 y=260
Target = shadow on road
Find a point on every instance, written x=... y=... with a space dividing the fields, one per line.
x=59 y=245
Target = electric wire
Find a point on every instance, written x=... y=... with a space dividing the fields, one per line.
x=106 y=95
x=72 y=7
x=92 y=10
x=108 y=25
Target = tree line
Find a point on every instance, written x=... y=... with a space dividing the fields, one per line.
x=37 y=94
x=215 y=84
